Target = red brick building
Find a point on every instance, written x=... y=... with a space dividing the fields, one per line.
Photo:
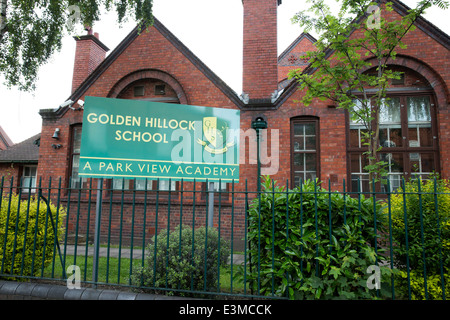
x=317 y=141
x=19 y=163
x=5 y=141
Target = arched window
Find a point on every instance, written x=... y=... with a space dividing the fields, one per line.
x=408 y=136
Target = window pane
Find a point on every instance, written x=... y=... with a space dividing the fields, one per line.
x=427 y=162
x=299 y=161
x=310 y=161
x=222 y=186
x=76 y=140
x=26 y=182
x=390 y=111
x=394 y=160
x=119 y=184
x=391 y=136
x=75 y=165
x=310 y=129
x=357 y=163
x=29 y=179
x=299 y=129
x=140 y=184
x=164 y=185
x=395 y=182
x=419 y=109
x=299 y=144
x=426 y=138
x=310 y=143
x=358 y=107
x=354 y=138
x=76 y=143
x=421 y=163
x=419 y=122
x=360 y=182
x=420 y=135
x=310 y=176
x=33 y=171
x=354 y=163
x=297 y=179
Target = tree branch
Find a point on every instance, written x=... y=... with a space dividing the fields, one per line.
x=3 y=10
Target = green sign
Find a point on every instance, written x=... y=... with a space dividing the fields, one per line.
x=141 y=139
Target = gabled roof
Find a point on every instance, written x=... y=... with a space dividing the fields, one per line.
x=5 y=138
x=26 y=151
x=295 y=43
x=90 y=80
x=284 y=58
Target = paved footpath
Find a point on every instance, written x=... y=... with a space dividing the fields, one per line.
x=124 y=253
x=10 y=290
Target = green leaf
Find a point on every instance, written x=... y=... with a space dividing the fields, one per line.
x=336 y=272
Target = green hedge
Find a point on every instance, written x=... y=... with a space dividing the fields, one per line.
x=308 y=260
x=27 y=237
x=427 y=233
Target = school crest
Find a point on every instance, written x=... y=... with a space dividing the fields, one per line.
x=215 y=134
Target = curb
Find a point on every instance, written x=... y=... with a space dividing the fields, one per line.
x=10 y=290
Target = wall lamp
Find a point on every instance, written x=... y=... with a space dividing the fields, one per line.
x=259 y=123
x=56 y=134
x=56 y=137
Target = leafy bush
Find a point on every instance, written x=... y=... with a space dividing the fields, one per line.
x=426 y=236
x=417 y=285
x=182 y=262
x=27 y=237
x=309 y=260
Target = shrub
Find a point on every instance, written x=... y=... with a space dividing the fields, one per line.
x=426 y=236
x=27 y=237
x=312 y=260
x=417 y=285
x=182 y=262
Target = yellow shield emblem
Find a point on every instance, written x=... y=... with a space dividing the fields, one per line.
x=210 y=129
x=215 y=143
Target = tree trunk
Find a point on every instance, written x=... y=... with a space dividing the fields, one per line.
x=375 y=132
x=373 y=150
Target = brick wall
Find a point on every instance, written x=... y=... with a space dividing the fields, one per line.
x=126 y=223
x=9 y=171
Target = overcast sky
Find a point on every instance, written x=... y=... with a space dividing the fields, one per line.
x=211 y=29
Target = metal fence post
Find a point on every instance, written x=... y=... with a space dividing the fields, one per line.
x=210 y=204
x=98 y=211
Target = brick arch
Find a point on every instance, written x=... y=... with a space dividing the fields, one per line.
x=149 y=74
x=433 y=77
x=309 y=111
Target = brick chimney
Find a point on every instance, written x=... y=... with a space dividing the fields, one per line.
x=260 y=59
x=89 y=53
